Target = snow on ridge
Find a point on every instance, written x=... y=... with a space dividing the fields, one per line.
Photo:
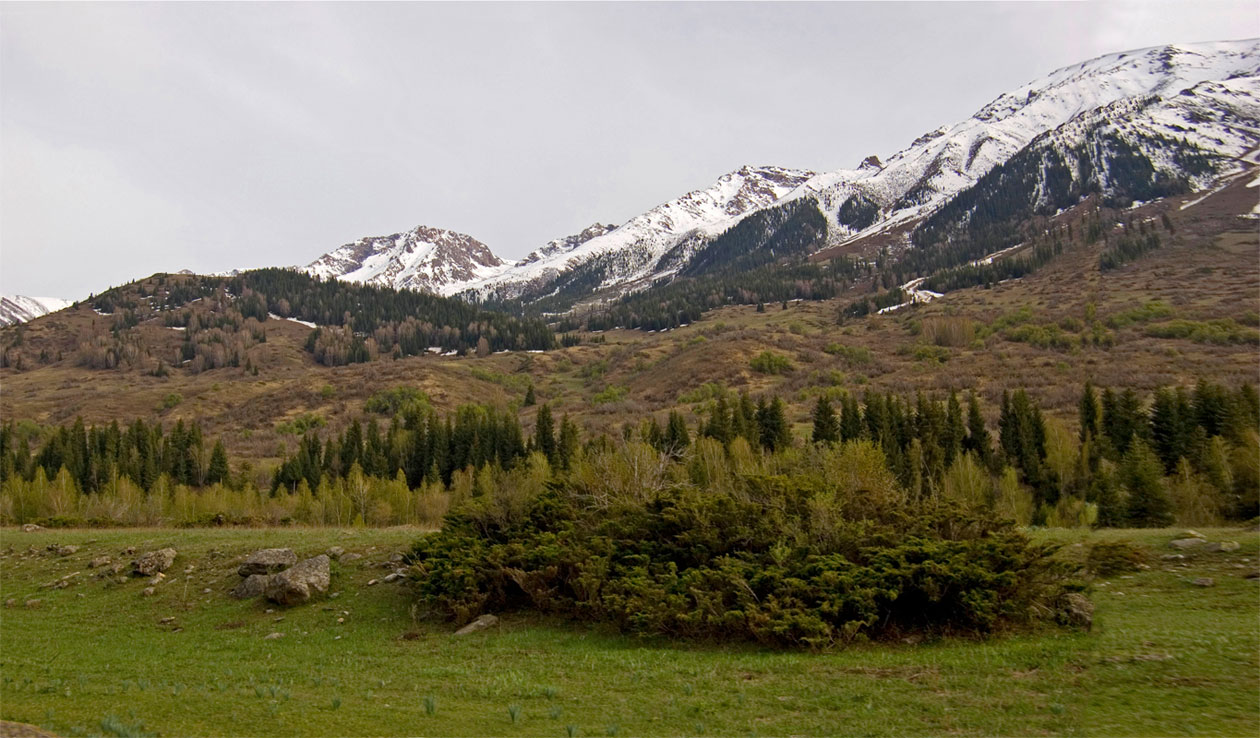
x=949 y=159
x=16 y=309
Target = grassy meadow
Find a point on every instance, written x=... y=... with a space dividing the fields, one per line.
x=97 y=657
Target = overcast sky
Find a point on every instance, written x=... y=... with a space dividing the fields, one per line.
x=137 y=138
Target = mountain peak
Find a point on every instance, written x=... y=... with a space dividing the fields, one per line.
x=425 y=258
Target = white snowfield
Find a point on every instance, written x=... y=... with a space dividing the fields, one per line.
x=1208 y=94
x=20 y=308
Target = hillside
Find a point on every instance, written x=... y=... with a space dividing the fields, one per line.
x=1181 y=312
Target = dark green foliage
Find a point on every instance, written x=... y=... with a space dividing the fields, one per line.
x=545 y=434
x=774 y=432
x=1141 y=473
x=676 y=439
x=1107 y=558
x=858 y=212
x=1127 y=248
x=826 y=425
x=740 y=566
x=793 y=229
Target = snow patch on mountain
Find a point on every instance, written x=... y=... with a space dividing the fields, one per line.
x=16 y=309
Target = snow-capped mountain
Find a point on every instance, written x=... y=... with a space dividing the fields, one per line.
x=424 y=258
x=19 y=308
x=945 y=161
x=634 y=250
x=1130 y=125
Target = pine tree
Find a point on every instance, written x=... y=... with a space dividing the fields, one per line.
x=1089 y=413
x=529 y=397
x=218 y=471
x=850 y=419
x=826 y=426
x=545 y=434
x=978 y=440
x=1142 y=474
x=677 y=439
x=569 y=442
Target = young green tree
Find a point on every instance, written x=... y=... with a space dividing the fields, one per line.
x=1142 y=474
x=545 y=434
x=217 y=472
x=826 y=426
x=677 y=439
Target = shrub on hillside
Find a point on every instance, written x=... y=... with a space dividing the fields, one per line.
x=824 y=551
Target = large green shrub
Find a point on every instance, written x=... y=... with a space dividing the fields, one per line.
x=797 y=558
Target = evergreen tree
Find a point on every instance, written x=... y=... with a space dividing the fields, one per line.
x=772 y=423
x=218 y=471
x=677 y=439
x=545 y=434
x=1142 y=474
x=569 y=442
x=826 y=426
x=850 y=419
x=529 y=397
x=719 y=425
x=978 y=440
x=1089 y=413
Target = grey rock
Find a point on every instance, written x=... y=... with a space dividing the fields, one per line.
x=1173 y=557
x=335 y=552
x=61 y=550
x=154 y=562
x=392 y=577
x=1204 y=582
x=31 y=527
x=298 y=583
x=481 y=623
x=1252 y=575
x=1216 y=546
x=34 y=604
x=347 y=558
x=99 y=561
x=267 y=561
x=1187 y=543
x=273 y=636
x=1077 y=610
x=251 y=586
x=11 y=602
x=148 y=591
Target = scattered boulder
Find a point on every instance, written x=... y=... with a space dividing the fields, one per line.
x=489 y=621
x=251 y=586
x=167 y=620
x=1173 y=557
x=347 y=558
x=1187 y=543
x=1204 y=582
x=11 y=602
x=1252 y=575
x=154 y=562
x=267 y=561
x=1077 y=610
x=148 y=591
x=31 y=527
x=1216 y=546
x=393 y=577
x=297 y=584
x=335 y=552
x=273 y=636
x=99 y=561
x=34 y=604
x=1193 y=534
x=61 y=550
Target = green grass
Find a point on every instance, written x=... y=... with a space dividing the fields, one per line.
x=1165 y=657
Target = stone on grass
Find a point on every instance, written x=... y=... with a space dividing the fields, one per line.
x=273 y=636
x=1077 y=610
x=393 y=577
x=347 y=558
x=297 y=584
x=33 y=604
x=251 y=586
x=481 y=623
x=61 y=550
x=1204 y=582
x=154 y=562
x=31 y=527
x=148 y=591
x=1216 y=546
x=1185 y=543
x=267 y=561
x=335 y=552
x=99 y=561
